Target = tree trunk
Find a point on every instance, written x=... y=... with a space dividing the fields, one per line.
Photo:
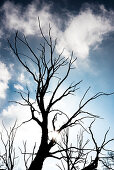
x=37 y=163
x=93 y=165
x=43 y=151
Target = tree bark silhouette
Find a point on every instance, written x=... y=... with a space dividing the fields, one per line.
x=47 y=69
x=44 y=148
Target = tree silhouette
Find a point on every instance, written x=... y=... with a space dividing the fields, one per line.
x=108 y=161
x=72 y=157
x=8 y=155
x=48 y=68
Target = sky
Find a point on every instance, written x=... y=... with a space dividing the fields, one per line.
x=84 y=27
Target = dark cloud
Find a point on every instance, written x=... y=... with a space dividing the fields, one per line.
x=60 y=5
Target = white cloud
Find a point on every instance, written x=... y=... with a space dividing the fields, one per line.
x=24 y=79
x=18 y=87
x=27 y=21
x=82 y=32
x=1 y=34
x=21 y=78
x=11 y=66
x=15 y=112
x=5 y=76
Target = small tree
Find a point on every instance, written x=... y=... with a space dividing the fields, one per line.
x=108 y=161
x=73 y=157
x=47 y=69
x=8 y=155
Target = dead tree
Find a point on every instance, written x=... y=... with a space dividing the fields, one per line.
x=98 y=149
x=108 y=161
x=71 y=156
x=48 y=68
x=74 y=157
x=27 y=157
x=8 y=156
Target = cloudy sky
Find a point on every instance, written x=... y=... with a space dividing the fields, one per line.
x=84 y=27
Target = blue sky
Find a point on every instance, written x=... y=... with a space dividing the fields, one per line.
x=84 y=27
